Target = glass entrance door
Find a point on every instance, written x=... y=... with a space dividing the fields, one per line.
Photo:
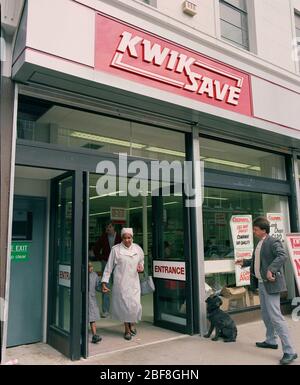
x=171 y=263
x=65 y=266
x=108 y=213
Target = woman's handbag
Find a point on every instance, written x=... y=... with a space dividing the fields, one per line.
x=147 y=285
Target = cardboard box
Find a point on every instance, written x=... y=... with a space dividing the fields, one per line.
x=233 y=292
x=234 y=298
x=252 y=299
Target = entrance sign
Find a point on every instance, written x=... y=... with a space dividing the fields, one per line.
x=136 y=55
x=20 y=251
x=169 y=270
x=242 y=237
x=293 y=243
x=64 y=275
x=276 y=225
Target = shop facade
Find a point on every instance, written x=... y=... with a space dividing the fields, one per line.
x=118 y=84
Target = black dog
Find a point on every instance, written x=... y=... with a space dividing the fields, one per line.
x=225 y=326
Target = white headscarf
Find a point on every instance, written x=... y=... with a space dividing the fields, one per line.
x=126 y=230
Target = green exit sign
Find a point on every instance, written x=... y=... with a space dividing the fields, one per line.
x=20 y=250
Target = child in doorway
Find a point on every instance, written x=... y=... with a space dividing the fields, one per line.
x=94 y=315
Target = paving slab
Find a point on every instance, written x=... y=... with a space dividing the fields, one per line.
x=156 y=346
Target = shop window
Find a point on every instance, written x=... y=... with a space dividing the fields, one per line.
x=218 y=207
x=58 y=125
x=224 y=156
x=234 y=22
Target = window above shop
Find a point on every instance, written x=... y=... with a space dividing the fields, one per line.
x=45 y=122
x=234 y=22
x=223 y=156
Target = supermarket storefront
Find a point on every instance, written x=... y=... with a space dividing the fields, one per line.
x=130 y=91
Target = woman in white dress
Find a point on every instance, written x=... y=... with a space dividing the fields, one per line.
x=125 y=261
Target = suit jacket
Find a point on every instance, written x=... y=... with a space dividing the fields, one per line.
x=272 y=258
x=102 y=247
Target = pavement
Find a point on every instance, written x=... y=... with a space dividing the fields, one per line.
x=171 y=349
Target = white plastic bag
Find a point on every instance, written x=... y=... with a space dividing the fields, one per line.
x=147 y=285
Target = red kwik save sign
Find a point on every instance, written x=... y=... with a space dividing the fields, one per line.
x=136 y=55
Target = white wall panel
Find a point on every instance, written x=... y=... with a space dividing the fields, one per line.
x=276 y=104
x=274 y=32
x=204 y=20
x=62 y=28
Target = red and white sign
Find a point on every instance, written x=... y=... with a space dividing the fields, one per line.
x=136 y=55
x=242 y=237
x=169 y=270
x=293 y=243
x=118 y=214
x=276 y=225
x=242 y=275
x=64 y=275
x=241 y=231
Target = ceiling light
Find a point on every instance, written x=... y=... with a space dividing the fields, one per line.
x=255 y=168
x=105 y=212
x=217 y=198
x=166 y=151
x=132 y=208
x=105 y=139
x=227 y=163
x=114 y=193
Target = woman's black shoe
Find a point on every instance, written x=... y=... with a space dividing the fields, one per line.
x=127 y=336
x=96 y=339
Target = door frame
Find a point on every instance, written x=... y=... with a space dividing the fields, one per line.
x=157 y=221
x=67 y=343
x=84 y=268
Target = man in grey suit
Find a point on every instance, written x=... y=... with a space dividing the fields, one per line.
x=266 y=268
